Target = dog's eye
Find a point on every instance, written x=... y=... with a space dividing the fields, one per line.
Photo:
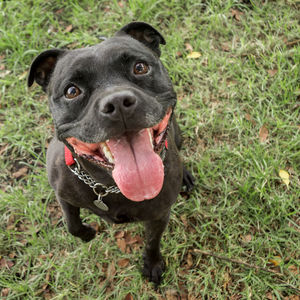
x=72 y=92
x=140 y=68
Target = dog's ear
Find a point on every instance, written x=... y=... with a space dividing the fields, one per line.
x=144 y=33
x=43 y=66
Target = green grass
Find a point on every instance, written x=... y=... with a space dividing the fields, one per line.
x=240 y=209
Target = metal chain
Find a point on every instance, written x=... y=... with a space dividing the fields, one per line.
x=87 y=179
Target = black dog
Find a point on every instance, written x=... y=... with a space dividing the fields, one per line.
x=116 y=145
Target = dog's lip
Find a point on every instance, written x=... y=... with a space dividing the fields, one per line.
x=100 y=154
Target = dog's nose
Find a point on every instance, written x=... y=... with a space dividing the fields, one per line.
x=118 y=103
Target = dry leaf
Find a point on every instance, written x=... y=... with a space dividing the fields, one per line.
x=111 y=271
x=247 y=238
x=20 y=173
x=23 y=75
x=225 y=47
x=236 y=14
x=120 y=234
x=275 y=261
x=122 y=263
x=121 y=244
x=5 y=292
x=263 y=134
x=3 y=74
x=128 y=297
x=272 y=72
x=194 y=55
x=4 y=263
x=294 y=270
x=189 y=260
x=69 y=28
x=188 y=47
x=285 y=176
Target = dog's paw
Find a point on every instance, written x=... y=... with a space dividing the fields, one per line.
x=188 y=180
x=86 y=233
x=153 y=270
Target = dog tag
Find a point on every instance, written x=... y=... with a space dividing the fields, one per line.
x=100 y=204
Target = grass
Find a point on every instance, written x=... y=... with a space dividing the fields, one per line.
x=247 y=77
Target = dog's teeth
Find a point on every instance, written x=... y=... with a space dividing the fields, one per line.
x=150 y=136
x=107 y=153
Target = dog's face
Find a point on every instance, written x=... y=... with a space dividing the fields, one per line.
x=111 y=104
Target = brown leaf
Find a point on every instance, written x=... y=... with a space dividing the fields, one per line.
x=69 y=28
x=5 y=292
x=20 y=173
x=295 y=270
x=171 y=294
x=96 y=226
x=4 y=263
x=178 y=54
x=273 y=72
x=189 y=260
x=121 y=244
x=188 y=47
x=122 y=263
x=236 y=14
x=269 y=296
x=59 y=11
x=247 y=238
x=120 y=234
x=111 y=271
x=121 y=4
x=263 y=134
x=226 y=47
x=128 y=297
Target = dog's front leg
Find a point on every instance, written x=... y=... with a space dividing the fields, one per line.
x=74 y=223
x=153 y=262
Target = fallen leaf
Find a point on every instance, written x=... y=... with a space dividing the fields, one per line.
x=272 y=72
x=294 y=270
x=3 y=74
x=247 y=238
x=269 y=296
x=178 y=54
x=122 y=263
x=194 y=55
x=5 y=292
x=120 y=234
x=23 y=75
x=285 y=176
x=276 y=261
x=236 y=14
x=121 y=244
x=188 y=47
x=4 y=263
x=59 y=11
x=189 y=260
x=225 y=47
x=69 y=28
x=20 y=173
x=111 y=271
x=128 y=297
x=2 y=67
x=263 y=134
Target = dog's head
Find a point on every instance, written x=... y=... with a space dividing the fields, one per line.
x=112 y=103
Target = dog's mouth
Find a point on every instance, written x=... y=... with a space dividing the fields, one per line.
x=134 y=159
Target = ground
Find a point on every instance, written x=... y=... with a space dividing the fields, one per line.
x=235 y=67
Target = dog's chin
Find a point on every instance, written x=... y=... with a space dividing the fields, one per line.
x=133 y=158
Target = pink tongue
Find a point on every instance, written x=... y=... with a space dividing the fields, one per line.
x=138 y=171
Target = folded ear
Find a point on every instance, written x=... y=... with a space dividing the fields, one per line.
x=144 y=33
x=43 y=66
